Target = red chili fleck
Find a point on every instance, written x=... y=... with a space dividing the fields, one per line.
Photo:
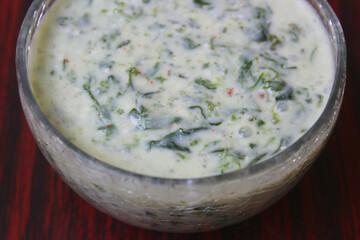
x=152 y=82
x=169 y=71
x=67 y=60
x=108 y=126
x=261 y=95
x=124 y=48
x=230 y=92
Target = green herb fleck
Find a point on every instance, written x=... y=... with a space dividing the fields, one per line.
x=105 y=84
x=65 y=63
x=206 y=65
x=161 y=79
x=195 y=142
x=181 y=156
x=313 y=54
x=211 y=106
x=212 y=45
x=320 y=100
x=98 y=187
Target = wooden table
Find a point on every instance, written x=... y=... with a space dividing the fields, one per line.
x=36 y=204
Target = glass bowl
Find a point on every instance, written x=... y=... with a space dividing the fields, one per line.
x=179 y=205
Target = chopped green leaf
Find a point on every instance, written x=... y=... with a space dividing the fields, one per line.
x=131 y=71
x=286 y=94
x=280 y=145
x=206 y=65
x=108 y=130
x=190 y=44
x=88 y=90
x=205 y=83
x=245 y=70
x=294 y=32
x=201 y=3
x=257 y=82
x=275 y=85
x=201 y=110
x=154 y=70
x=124 y=43
x=257 y=159
x=260 y=123
x=65 y=63
x=170 y=141
x=275 y=42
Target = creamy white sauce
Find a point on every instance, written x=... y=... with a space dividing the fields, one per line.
x=233 y=82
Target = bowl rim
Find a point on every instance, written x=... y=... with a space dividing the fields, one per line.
x=328 y=115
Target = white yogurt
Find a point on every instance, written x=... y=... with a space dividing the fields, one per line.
x=185 y=88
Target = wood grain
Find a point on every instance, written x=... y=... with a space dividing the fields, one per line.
x=36 y=204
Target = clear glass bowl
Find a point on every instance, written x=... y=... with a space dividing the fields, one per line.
x=179 y=205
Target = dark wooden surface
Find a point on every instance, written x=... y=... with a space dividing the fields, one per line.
x=36 y=204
